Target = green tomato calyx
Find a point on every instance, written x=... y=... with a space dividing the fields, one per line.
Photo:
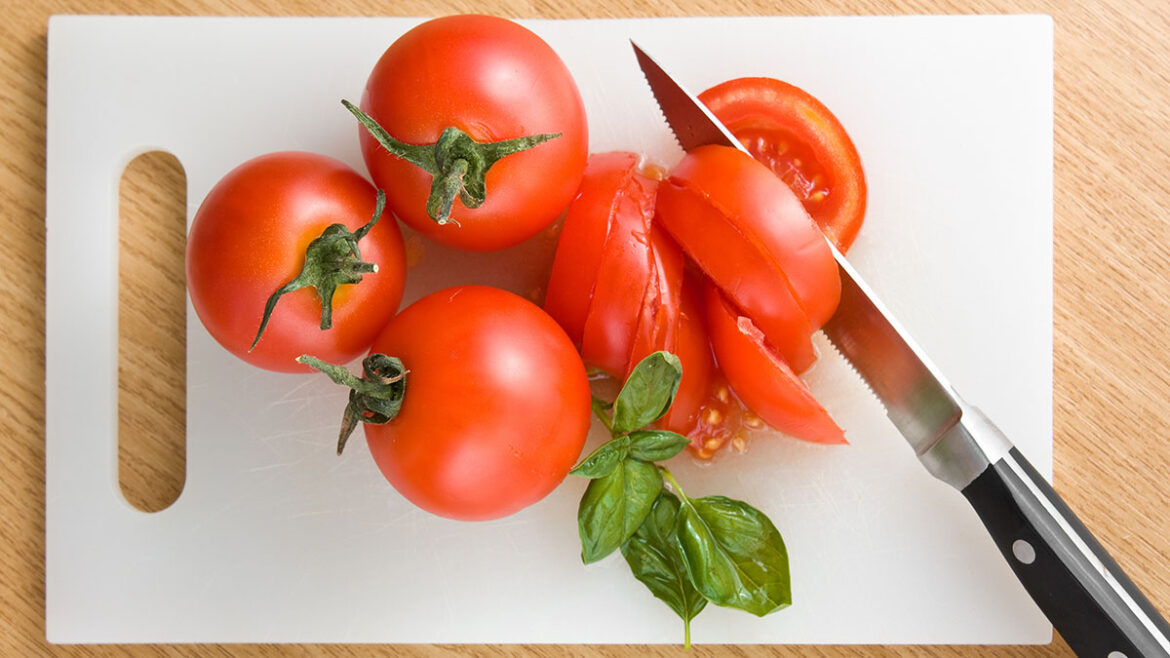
x=331 y=259
x=374 y=398
x=458 y=164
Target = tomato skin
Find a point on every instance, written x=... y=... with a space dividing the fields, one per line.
x=496 y=409
x=763 y=381
x=248 y=239
x=494 y=80
x=802 y=141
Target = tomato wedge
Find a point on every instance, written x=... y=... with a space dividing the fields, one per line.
x=763 y=381
x=800 y=140
x=693 y=349
x=659 y=319
x=746 y=230
x=620 y=287
x=582 y=239
x=624 y=273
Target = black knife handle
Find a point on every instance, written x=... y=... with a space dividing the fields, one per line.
x=1082 y=591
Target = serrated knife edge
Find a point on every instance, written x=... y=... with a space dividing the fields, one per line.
x=917 y=381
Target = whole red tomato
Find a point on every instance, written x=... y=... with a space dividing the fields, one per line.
x=494 y=409
x=493 y=80
x=249 y=238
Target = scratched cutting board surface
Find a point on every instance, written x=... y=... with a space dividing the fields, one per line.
x=274 y=538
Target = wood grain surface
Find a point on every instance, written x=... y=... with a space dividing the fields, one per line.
x=1112 y=271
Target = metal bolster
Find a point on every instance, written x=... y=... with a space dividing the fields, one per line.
x=965 y=450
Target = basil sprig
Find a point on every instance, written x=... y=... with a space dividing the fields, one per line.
x=656 y=560
x=687 y=551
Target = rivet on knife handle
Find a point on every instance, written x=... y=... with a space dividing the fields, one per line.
x=1078 y=586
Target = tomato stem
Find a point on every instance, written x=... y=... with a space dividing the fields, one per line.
x=457 y=163
x=331 y=259
x=374 y=398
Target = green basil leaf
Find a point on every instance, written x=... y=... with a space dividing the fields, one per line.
x=656 y=445
x=604 y=459
x=614 y=506
x=647 y=393
x=734 y=555
x=654 y=556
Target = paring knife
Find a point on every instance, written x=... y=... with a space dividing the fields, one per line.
x=1081 y=590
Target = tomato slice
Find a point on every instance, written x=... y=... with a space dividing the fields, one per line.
x=623 y=276
x=800 y=140
x=773 y=218
x=579 y=249
x=729 y=214
x=694 y=351
x=762 y=380
x=659 y=319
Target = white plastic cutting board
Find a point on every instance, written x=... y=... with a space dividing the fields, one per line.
x=276 y=539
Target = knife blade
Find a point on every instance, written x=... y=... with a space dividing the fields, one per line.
x=1084 y=593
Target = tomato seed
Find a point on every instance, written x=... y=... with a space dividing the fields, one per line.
x=723 y=394
x=712 y=416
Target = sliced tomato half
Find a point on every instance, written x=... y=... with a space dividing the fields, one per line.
x=625 y=272
x=582 y=240
x=659 y=319
x=761 y=379
x=799 y=139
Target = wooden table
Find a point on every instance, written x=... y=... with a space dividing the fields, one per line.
x=1112 y=269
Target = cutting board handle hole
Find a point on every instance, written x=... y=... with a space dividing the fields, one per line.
x=152 y=331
